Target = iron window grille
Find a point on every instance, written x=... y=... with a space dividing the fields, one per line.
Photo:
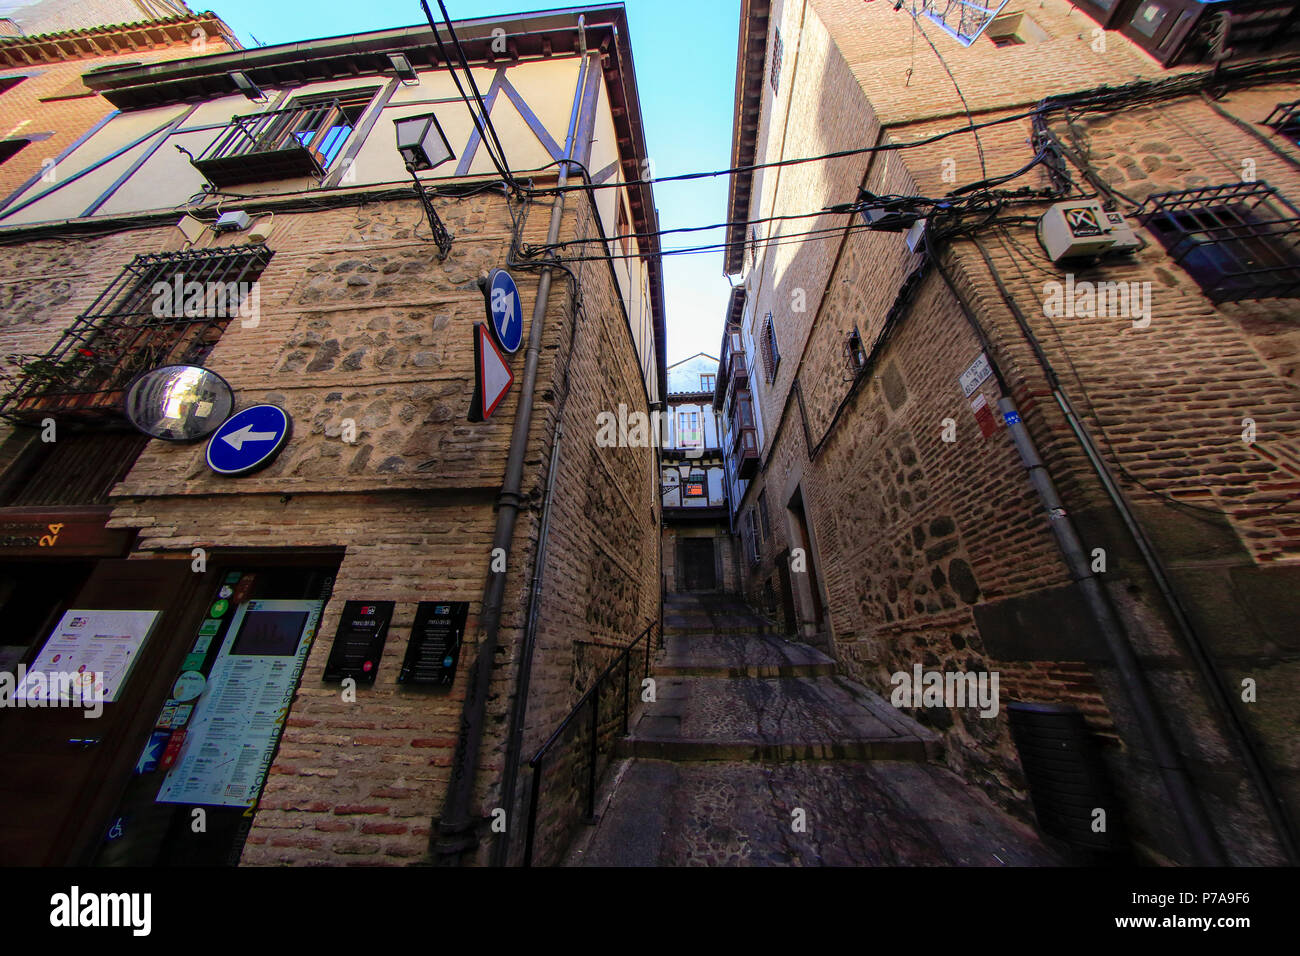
x=771 y=354
x=134 y=326
x=1237 y=241
x=1285 y=120
x=778 y=50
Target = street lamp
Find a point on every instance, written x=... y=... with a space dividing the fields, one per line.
x=423 y=145
x=421 y=142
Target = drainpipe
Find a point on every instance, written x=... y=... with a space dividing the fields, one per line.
x=456 y=826
x=1232 y=722
x=1204 y=845
x=519 y=710
x=515 y=741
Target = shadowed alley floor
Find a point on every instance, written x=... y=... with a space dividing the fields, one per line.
x=755 y=752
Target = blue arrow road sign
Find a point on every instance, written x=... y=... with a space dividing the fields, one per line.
x=248 y=440
x=505 y=309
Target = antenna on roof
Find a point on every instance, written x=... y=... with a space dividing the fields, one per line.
x=963 y=20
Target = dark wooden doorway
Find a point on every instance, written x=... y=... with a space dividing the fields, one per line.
x=63 y=769
x=699 y=565
x=803 y=541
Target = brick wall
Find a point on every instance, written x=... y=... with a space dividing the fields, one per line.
x=922 y=549
x=360 y=321
x=25 y=109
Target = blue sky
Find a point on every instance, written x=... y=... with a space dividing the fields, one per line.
x=685 y=52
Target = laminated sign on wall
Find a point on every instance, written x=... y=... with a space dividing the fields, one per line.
x=90 y=648
x=238 y=717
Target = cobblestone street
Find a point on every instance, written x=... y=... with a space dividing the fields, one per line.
x=756 y=752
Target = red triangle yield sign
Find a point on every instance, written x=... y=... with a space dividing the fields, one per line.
x=494 y=375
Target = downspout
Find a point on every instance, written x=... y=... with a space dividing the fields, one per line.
x=1205 y=847
x=1232 y=722
x=519 y=710
x=456 y=827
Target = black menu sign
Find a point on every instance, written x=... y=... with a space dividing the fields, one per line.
x=434 y=649
x=359 y=641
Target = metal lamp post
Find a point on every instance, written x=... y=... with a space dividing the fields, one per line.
x=423 y=145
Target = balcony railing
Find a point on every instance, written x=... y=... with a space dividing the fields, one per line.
x=279 y=144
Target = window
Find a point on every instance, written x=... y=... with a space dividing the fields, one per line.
x=777 y=52
x=337 y=124
x=751 y=536
x=1285 y=119
x=163 y=308
x=1237 y=241
x=1014 y=29
x=762 y=514
x=622 y=228
x=7 y=83
x=10 y=148
x=697 y=484
x=688 y=430
x=303 y=139
x=708 y=383
x=767 y=345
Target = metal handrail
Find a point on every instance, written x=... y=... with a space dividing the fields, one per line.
x=592 y=696
x=274 y=130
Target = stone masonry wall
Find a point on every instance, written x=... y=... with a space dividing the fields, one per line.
x=359 y=320
x=925 y=549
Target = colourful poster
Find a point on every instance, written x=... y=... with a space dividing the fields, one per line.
x=87 y=643
x=238 y=718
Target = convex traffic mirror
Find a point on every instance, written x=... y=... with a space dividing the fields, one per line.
x=178 y=402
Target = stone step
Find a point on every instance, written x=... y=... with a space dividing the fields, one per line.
x=732 y=655
x=879 y=813
x=796 y=718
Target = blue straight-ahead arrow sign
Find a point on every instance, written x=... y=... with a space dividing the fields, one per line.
x=505 y=310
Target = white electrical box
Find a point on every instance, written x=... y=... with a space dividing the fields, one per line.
x=262 y=231
x=192 y=228
x=1069 y=230
x=236 y=221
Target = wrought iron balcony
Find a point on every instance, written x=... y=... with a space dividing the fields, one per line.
x=279 y=144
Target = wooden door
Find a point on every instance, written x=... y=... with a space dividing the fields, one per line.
x=698 y=564
x=63 y=771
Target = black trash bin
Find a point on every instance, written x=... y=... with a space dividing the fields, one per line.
x=1067 y=779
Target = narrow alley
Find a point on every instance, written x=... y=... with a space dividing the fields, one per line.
x=758 y=752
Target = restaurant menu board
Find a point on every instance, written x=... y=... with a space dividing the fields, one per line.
x=359 y=641
x=434 y=647
x=88 y=642
x=237 y=720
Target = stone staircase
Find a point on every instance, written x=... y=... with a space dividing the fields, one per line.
x=757 y=751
